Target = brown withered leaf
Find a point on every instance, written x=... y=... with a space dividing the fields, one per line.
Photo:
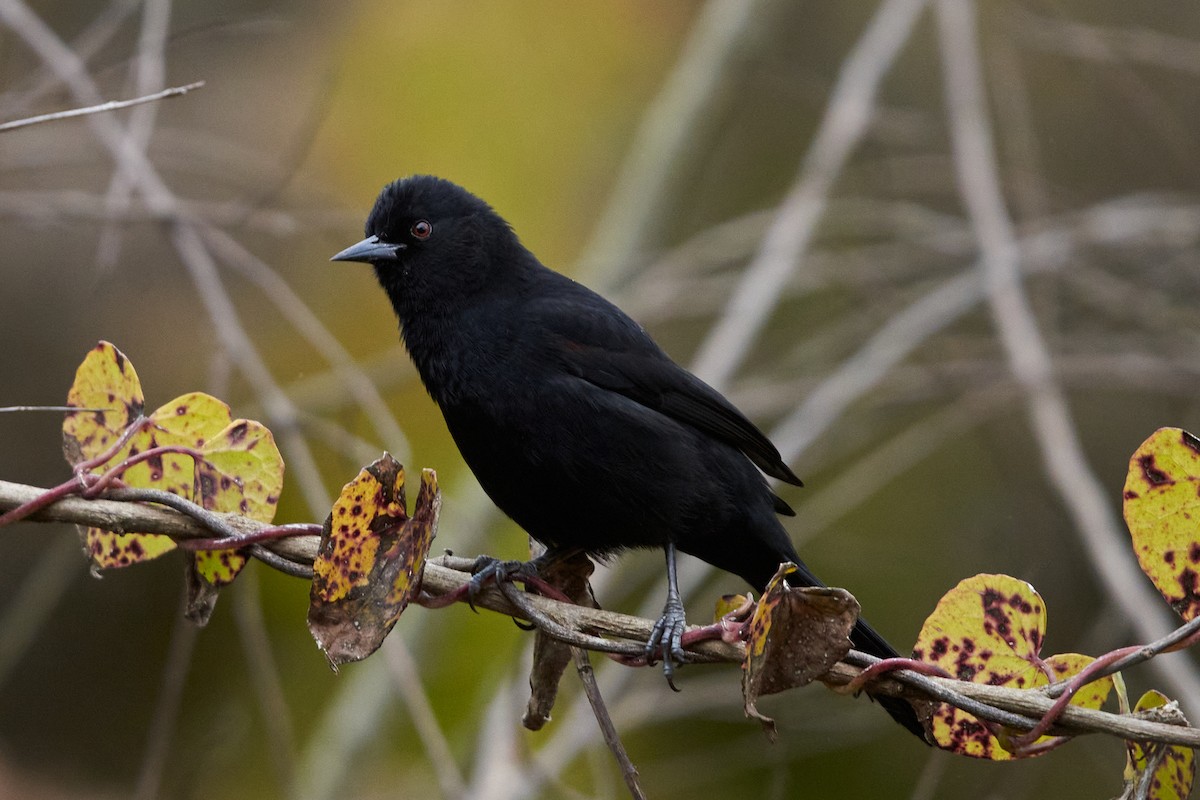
x=796 y=636
x=550 y=656
x=370 y=560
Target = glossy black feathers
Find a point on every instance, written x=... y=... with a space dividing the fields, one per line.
x=574 y=421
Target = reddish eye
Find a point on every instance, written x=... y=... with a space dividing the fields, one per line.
x=421 y=229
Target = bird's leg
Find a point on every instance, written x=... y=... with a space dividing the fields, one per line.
x=667 y=635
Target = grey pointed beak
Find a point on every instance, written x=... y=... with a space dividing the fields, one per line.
x=370 y=250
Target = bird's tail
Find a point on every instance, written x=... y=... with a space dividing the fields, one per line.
x=868 y=640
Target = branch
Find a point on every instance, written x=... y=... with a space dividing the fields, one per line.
x=187 y=239
x=848 y=114
x=111 y=105
x=1028 y=353
x=583 y=626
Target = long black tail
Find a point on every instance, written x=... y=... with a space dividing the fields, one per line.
x=758 y=571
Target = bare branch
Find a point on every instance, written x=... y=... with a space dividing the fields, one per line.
x=267 y=680
x=671 y=133
x=442 y=576
x=186 y=238
x=166 y=710
x=1028 y=354
x=407 y=681
x=847 y=116
x=584 y=667
x=111 y=105
x=149 y=73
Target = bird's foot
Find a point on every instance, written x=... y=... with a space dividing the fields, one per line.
x=487 y=568
x=666 y=638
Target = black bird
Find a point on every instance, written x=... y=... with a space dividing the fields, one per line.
x=544 y=383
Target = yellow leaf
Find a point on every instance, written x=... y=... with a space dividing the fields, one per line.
x=240 y=472
x=989 y=629
x=1176 y=773
x=186 y=422
x=1162 y=510
x=106 y=379
x=190 y=447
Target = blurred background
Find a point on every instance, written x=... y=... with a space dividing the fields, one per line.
x=823 y=208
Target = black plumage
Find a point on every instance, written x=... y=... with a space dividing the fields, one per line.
x=576 y=424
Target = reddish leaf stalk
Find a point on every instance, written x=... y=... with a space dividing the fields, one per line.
x=136 y=426
x=883 y=667
x=265 y=535
x=99 y=483
x=1091 y=672
x=83 y=480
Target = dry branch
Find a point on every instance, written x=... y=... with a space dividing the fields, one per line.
x=448 y=574
x=111 y=105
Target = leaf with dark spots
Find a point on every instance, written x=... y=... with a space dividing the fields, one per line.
x=237 y=467
x=239 y=471
x=1162 y=501
x=989 y=629
x=1176 y=771
x=370 y=560
x=795 y=636
x=105 y=379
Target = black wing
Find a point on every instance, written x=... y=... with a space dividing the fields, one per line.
x=597 y=342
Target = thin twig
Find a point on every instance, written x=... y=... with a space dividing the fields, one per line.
x=407 y=681
x=1029 y=357
x=150 y=74
x=111 y=105
x=90 y=41
x=847 y=116
x=670 y=137
x=607 y=729
x=166 y=710
x=352 y=378
x=184 y=235
x=38 y=592
x=68 y=409
x=266 y=678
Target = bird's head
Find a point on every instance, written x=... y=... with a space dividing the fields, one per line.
x=428 y=239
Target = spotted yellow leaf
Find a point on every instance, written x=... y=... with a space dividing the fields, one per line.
x=190 y=447
x=989 y=629
x=1176 y=771
x=370 y=560
x=1162 y=510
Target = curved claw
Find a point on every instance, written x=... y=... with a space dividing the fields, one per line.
x=666 y=637
x=487 y=568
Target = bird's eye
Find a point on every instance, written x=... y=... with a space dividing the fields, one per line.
x=421 y=229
